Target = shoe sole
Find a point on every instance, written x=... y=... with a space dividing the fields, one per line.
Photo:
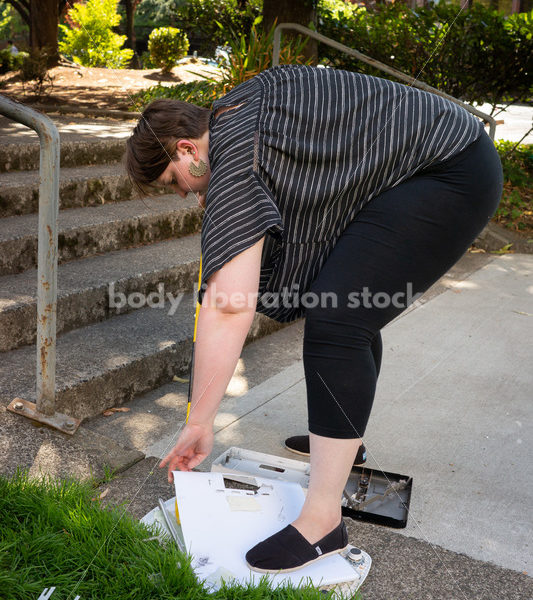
x=307 y=454
x=258 y=570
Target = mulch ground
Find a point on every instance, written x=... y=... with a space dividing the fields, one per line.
x=91 y=87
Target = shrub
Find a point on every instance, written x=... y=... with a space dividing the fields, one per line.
x=34 y=68
x=252 y=54
x=10 y=62
x=483 y=57
x=199 y=19
x=5 y=20
x=91 y=41
x=516 y=207
x=166 y=45
x=201 y=93
x=248 y=57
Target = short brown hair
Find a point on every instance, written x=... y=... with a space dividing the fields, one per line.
x=153 y=141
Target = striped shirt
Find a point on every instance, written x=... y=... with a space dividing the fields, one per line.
x=305 y=151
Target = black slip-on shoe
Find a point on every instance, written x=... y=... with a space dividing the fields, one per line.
x=299 y=444
x=288 y=550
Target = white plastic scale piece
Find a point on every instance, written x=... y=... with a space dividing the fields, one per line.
x=359 y=560
x=241 y=462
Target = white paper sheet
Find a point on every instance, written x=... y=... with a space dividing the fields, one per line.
x=218 y=534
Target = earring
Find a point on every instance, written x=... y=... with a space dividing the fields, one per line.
x=199 y=169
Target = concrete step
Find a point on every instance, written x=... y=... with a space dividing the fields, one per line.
x=78 y=186
x=25 y=156
x=83 y=142
x=87 y=288
x=109 y=363
x=88 y=231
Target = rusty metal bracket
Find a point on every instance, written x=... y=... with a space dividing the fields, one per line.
x=376 y=64
x=64 y=423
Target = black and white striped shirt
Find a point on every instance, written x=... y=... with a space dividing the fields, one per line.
x=306 y=150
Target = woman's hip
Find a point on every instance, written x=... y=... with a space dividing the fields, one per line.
x=474 y=174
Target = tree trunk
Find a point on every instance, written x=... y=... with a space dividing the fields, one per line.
x=302 y=12
x=131 y=7
x=44 y=18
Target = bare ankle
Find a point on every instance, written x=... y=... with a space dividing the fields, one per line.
x=314 y=526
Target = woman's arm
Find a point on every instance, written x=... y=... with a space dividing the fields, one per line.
x=224 y=319
x=227 y=311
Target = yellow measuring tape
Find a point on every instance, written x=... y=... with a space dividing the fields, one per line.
x=197 y=312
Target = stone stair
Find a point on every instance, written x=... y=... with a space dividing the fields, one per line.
x=127 y=277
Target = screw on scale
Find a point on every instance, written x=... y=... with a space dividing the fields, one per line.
x=355 y=555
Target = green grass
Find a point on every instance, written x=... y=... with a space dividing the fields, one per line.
x=53 y=534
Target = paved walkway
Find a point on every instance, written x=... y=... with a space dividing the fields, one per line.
x=71 y=129
x=517 y=118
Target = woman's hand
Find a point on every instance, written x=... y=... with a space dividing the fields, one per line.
x=193 y=446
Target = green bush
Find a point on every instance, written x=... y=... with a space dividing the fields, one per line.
x=10 y=62
x=167 y=45
x=5 y=20
x=478 y=55
x=248 y=57
x=91 y=41
x=199 y=19
x=251 y=54
x=201 y=93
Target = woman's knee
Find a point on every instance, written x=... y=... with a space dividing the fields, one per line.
x=342 y=329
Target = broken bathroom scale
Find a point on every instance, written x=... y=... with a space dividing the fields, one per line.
x=370 y=495
x=221 y=519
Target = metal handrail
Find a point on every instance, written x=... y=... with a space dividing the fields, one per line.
x=44 y=409
x=378 y=65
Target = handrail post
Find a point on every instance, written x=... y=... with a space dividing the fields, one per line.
x=376 y=64
x=44 y=409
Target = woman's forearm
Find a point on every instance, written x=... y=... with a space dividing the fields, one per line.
x=219 y=340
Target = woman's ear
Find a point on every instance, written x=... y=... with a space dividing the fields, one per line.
x=184 y=147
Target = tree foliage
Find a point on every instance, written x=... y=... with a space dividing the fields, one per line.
x=91 y=41
x=479 y=55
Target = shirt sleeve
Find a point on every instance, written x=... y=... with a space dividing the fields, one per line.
x=240 y=208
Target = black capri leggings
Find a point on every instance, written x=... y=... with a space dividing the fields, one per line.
x=397 y=246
